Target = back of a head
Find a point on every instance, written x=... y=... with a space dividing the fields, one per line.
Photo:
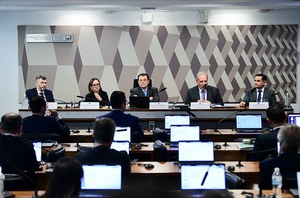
x=104 y=130
x=276 y=114
x=11 y=123
x=117 y=99
x=289 y=139
x=37 y=103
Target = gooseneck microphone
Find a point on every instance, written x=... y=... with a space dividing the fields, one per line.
x=82 y=97
x=89 y=127
x=163 y=89
x=217 y=124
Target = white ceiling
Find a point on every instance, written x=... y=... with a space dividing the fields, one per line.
x=138 y=4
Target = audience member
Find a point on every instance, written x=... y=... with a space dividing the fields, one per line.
x=260 y=93
x=40 y=90
x=288 y=159
x=38 y=123
x=266 y=143
x=203 y=92
x=96 y=94
x=103 y=134
x=118 y=103
x=144 y=89
x=16 y=153
x=65 y=180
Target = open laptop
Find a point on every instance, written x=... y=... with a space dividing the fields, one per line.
x=183 y=133
x=37 y=146
x=121 y=146
x=122 y=134
x=248 y=123
x=195 y=152
x=294 y=118
x=101 y=180
x=139 y=102
x=176 y=119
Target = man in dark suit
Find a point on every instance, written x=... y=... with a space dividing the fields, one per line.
x=103 y=133
x=266 y=144
x=260 y=93
x=15 y=151
x=144 y=89
x=118 y=104
x=288 y=160
x=40 y=90
x=203 y=92
x=38 y=123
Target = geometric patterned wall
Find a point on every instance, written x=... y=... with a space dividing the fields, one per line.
x=171 y=55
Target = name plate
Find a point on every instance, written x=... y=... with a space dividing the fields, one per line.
x=89 y=105
x=158 y=105
x=200 y=105
x=258 y=105
x=52 y=105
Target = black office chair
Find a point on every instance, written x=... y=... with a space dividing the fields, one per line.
x=14 y=182
x=136 y=84
x=41 y=137
x=55 y=154
x=233 y=181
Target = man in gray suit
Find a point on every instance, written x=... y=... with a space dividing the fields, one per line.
x=144 y=89
x=260 y=93
x=203 y=92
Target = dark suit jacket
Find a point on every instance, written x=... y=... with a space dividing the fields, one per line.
x=151 y=92
x=90 y=97
x=45 y=125
x=251 y=96
x=264 y=142
x=105 y=155
x=19 y=152
x=124 y=120
x=213 y=95
x=30 y=93
x=288 y=163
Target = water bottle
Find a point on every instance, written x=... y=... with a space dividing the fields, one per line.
x=277 y=183
x=25 y=102
x=2 y=177
x=287 y=100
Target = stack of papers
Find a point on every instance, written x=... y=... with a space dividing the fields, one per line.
x=243 y=146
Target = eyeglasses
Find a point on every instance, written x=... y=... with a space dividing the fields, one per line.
x=94 y=85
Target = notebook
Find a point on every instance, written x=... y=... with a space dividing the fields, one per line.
x=195 y=152
x=198 y=177
x=37 y=146
x=183 y=133
x=176 y=119
x=248 y=123
x=100 y=180
x=122 y=134
x=294 y=118
x=139 y=102
x=121 y=146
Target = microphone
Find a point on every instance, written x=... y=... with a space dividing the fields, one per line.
x=192 y=114
x=205 y=175
x=82 y=97
x=274 y=94
x=163 y=89
x=61 y=101
x=89 y=127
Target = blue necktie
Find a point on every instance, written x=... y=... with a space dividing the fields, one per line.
x=259 y=95
x=145 y=92
x=203 y=94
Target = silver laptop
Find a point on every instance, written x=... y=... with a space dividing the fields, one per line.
x=248 y=123
x=195 y=152
x=121 y=146
x=183 y=133
x=122 y=134
x=176 y=119
x=37 y=146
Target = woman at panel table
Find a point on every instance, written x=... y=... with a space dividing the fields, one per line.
x=96 y=94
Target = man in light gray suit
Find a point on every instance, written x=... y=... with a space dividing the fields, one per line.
x=203 y=92
x=260 y=93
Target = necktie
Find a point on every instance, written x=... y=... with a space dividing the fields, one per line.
x=203 y=94
x=145 y=92
x=42 y=95
x=259 y=96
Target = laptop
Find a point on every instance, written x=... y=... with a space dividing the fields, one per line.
x=183 y=133
x=294 y=118
x=176 y=119
x=100 y=180
x=195 y=152
x=37 y=146
x=196 y=178
x=139 y=102
x=122 y=134
x=248 y=123
x=120 y=146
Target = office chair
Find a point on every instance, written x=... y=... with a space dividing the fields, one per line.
x=55 y=154
x=40 y=137
x=136 y=84
x=14 y=182
x=233 y=181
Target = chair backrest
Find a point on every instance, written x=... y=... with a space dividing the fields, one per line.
x=233 y=181
x=136 y=84
x=14 y=182
x=55 y=154
x=41 y=137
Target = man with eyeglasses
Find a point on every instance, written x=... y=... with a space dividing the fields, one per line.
x=203 y=92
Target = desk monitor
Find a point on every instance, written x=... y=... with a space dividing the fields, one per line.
x=122 y=134
x=294 y=118
x=176 y=119
x=139 y=102
x=251 y=123
x=183 y=133
x=195 y=152
x=120 y=146
x=37 y=146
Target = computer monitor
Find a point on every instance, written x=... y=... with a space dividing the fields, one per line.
x=176 y=119
x=121 y=146
x=294 y=118
x=122 y=134
x=195 y=152
x=248 y=122
x=183 y=133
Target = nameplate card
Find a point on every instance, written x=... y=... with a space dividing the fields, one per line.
x=89 y=105
x=158 y=105
x=258 y=105
x=52 y=105
x=200 y=105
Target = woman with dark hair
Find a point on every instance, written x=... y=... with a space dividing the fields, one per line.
x=96 y=94
x=65 y=180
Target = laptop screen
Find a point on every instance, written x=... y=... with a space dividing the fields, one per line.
x=37 y=146
x=203 y=177
x=120 y=146
x=195 y=151
x=173 y=119
x=101 y=177
x=139 y=102
x=294 y=118
x=122 y=134
x=184 y=133
x=248 y=121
